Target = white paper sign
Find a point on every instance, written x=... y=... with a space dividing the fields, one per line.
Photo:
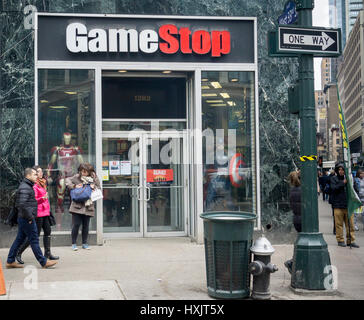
x=125 y=168
x=114 y=167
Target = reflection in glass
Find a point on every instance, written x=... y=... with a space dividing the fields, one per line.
x=153 y=125
x=227 y=116
x=66 y=132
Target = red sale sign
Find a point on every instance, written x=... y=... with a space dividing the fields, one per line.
x=159 y=175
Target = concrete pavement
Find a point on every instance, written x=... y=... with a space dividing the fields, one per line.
x=164 y=269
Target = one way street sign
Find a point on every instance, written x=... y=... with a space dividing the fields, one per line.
x=316 y=41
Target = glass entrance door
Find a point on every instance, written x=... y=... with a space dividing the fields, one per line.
x=121 y=182
x=165 y=184
x=144 y=184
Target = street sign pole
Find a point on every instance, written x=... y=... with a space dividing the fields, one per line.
x=311 y=263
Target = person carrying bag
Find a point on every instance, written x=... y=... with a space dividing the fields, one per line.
x=82 y=207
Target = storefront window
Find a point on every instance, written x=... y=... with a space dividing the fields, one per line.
x=228 y=141
x=66 y=133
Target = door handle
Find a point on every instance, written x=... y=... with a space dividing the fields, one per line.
x=138 y=191
x=148 y=193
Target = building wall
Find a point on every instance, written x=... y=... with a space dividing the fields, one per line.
x=351 y=82
x=352 y=10
x=325 y=71
x=331 y=102
x=337 y=16
x=321 y=121
x=279 y=142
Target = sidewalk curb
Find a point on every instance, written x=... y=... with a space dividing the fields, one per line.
x=304 y=292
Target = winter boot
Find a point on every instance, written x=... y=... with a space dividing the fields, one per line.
x=47 y=248
x=21 y=249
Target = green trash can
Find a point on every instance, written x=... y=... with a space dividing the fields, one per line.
x=228 y=237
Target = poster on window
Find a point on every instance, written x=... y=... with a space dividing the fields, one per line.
x=160 y=176
x=105 y=171
x=114 y=167
x=125 y=168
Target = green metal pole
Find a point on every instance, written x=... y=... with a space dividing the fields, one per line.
x=311 y=256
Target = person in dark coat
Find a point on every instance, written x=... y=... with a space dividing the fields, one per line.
x=324 y=181
x=295 y=204
x=332 y=173
x=27 y=207
x=295 y=199
x=340 y=204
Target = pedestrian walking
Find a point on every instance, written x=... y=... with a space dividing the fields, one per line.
x=329 y=191
x=359 y=189
x=322 y=183
x=82 y=211
x=43 y=219
x=339 y=203
x=295 y=204
x=27 y=207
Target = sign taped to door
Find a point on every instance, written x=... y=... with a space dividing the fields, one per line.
x=160 y=176
x=105 y=171
x=114 y=168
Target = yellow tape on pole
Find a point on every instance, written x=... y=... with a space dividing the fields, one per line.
x=308 y=158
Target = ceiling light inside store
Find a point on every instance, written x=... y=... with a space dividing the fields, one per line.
x=218 y=105
x=209 y=95
x=167 y=71
x=58 y=107
x=70 y=92
x=44 y=101
x=122 y=71
x=234 y=80
x=205 y=87
x=216 y=85
x=204 y=79
x=224 y=95
x=231 y=103
x=214 y=101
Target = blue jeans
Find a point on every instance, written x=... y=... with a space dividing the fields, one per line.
x=30 y=231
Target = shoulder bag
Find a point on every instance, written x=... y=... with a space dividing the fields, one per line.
x=81 y=194
x=52 y=219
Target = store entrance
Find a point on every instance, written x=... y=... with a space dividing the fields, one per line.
x=144 y=156
x=144 y=183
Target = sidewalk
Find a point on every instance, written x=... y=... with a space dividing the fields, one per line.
x=164 y=269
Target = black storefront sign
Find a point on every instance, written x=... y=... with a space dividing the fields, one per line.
x=154 y=39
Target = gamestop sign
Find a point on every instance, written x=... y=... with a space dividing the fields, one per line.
x=168 y=40
x=140 y=39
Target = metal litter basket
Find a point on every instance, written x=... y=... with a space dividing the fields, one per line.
x=228 y=237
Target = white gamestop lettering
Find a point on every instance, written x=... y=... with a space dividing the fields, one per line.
x=79 y=39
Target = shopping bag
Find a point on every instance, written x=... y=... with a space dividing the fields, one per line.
x=96 y=195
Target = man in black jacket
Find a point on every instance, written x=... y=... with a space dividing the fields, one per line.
x=27 y=207
x=339 y=203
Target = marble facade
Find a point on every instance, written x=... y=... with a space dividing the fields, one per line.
x=279 y=142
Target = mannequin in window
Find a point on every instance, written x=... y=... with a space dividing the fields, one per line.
x=68 y=157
